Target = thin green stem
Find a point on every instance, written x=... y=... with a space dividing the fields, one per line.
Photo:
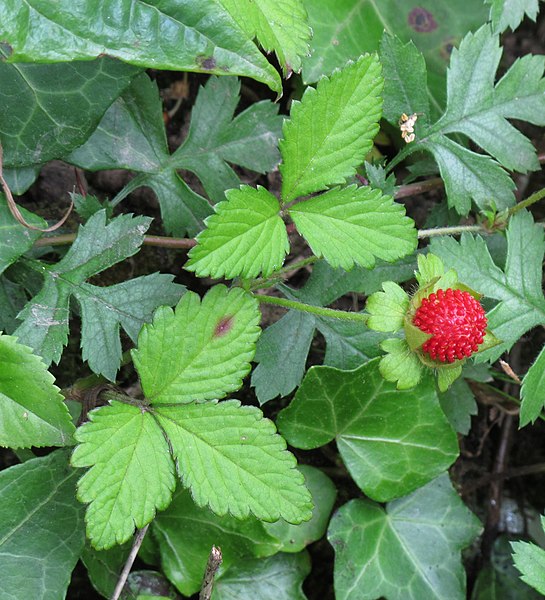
x=457 y=230
x=319 y=311
x=535 y=197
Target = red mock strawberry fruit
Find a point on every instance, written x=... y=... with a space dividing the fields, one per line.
x=455 y=320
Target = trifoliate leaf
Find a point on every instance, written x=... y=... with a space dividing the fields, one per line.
x=244 y=238
x=98 y=246
x=530 y=561
x=16 y=239
x=131 y=474
x=401 y=364
x=279 y=577
x=200 y=350
x=387 y=309
x=409 y=550
x=171 y=36
x=132 y=136
x=279 y=25
x=354 y=225
x=522 y=305
x=478 y=109
x=331 y=130
x=42 y=531
x=391 y=441
x=32 y=409
x=233 y=461
x=185 y=533
x=533 y=391
x=510 y=13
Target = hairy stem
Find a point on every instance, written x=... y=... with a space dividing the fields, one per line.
x=535 y=197
x=319 y=311
x=457 y=230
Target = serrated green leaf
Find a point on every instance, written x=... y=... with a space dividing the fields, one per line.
x=282 y=348
x=131 y=474
x=128 y=304
x=430 y=268
x=391 y=441
x=294 y=538
x=98 y=246
x=400 y=365
x=15 y=239
x=345 y=29
x=132 y=136
x=408 y=551
x=354 y=225
x=500 y=580
x=404 y=70
x=478 y=109
x=234 y=462
x=510 y=13
x=447 y=376
x=279 y=25
x=41 y=528
x=279 y=577
x=245 y=237
x=48 y=110
x=458 y=404
x=522 y=305
x=530 y=561
x=533 y=391
x=387 y=309
x=173 y=35
x=200 y=351
x=331 y=130
x=32 y=409
x=185 y=533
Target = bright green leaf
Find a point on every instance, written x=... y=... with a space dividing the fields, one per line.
x=279 y=577
x=132 y=136
x=391 y=441
x=48 y=110
x=32 y=409
x=131 y=474
x=355 y=225
x=41 y=528
x=233 y=461
x=530 y=561
x=282 y=348
x=279 y=25
x=510 y=13
x=295 y=538
x=185 y=533
x=522 y=305
x=408 y=551
x=387 y=309
x=331 y=130
x=178 y=36
x=15 y=239
x=345 y=29
x=533 y=391
x=98 y=246
x=245 y=237
x=400 y=365
x=200 y=351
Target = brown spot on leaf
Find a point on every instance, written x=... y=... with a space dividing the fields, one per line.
x=421 y=20
x=223 y=326
x=206 y=62
x=446 y=48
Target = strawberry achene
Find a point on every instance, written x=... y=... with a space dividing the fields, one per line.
x=456 y=321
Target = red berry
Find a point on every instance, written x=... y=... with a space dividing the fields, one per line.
x=456 y=321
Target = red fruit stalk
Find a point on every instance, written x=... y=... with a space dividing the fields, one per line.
x=456 y=322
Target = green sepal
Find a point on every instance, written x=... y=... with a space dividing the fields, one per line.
x=400 y=365
x=489 y=341
x=387 y=309
x=447 y=376
x=430 y=267
x=415 y=336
